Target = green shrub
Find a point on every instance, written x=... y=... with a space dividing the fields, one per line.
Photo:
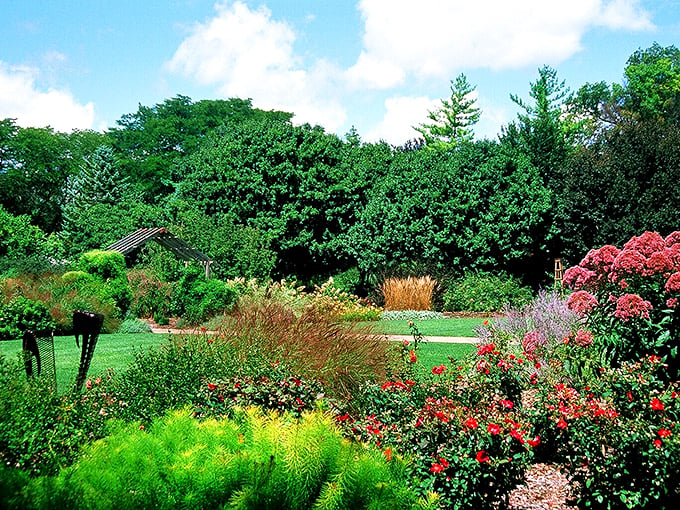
x=253 y=461
x=21 y=314
x=40 y=431
x=348 y=281
x=106 y=265
x=152 y=296
x=109 y=268
x=134 y=326
x=485 y=292
x=207 y=299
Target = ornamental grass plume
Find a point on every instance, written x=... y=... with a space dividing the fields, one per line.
x=409 y=293
x=314 y=345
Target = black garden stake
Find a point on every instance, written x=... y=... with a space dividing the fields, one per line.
x=88 y=325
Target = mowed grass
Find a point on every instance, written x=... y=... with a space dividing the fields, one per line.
x=432 y=354
x=116 y=351
x=111 y=352
x=431 y=327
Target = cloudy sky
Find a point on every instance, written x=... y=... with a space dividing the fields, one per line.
x=378 y=65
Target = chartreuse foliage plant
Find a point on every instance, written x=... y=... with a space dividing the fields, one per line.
x=252 y=461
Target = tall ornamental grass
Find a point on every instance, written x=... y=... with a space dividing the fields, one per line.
x=409 y=293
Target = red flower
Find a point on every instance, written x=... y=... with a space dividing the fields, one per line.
x=211 y=386
x=483 y=350
x=482 y=456
x=506 y=403
x=444 y=462
x=388 y=454
x=673 y=284
x=437 y=468
x=517 y=434
x=438 y=370
x=413 y=358
x=664 y=432
x=534 y=442
x=203 y=330
x=656 y=404
x=561 y=424
x=657 y=443
x=493 y=429
x=471 y=423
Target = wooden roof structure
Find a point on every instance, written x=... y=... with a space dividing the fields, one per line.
x=166 y=239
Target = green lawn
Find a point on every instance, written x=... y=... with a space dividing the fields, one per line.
x=112 y=351
x=431 y=354
x=433 y=327
x=117 y=351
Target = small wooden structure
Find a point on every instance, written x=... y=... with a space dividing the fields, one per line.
x=559 y=273
x=166 y=239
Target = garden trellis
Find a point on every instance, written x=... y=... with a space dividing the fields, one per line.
x=166 y=239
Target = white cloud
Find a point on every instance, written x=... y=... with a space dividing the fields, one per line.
x=21 y=99
x=245 y=53
x=402 y=113
x=435 y=38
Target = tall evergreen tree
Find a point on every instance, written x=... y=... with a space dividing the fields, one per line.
x=98 y=183
x=452 y=122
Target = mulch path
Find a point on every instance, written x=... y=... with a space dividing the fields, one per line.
x=545 y=488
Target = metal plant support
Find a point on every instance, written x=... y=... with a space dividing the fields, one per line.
x=88 y=325
x=38 y=350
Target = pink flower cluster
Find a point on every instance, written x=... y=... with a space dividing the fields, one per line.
x=646 y=256
x=631 y=306
x=582 y=302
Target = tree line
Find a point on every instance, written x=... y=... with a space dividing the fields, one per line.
x=265 y=197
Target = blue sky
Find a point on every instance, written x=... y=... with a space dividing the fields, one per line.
x=378 y=65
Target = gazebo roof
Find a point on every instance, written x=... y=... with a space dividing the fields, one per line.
x=163 y=237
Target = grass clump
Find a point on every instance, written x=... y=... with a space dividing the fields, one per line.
x=409 y=293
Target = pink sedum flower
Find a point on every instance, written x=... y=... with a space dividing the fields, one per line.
x=673 y=284
x=646 y=244
x=600 y=260
x=632 y=306
x=672 y=238
x=578 y=278
x=627 y=262
x=582 y=302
